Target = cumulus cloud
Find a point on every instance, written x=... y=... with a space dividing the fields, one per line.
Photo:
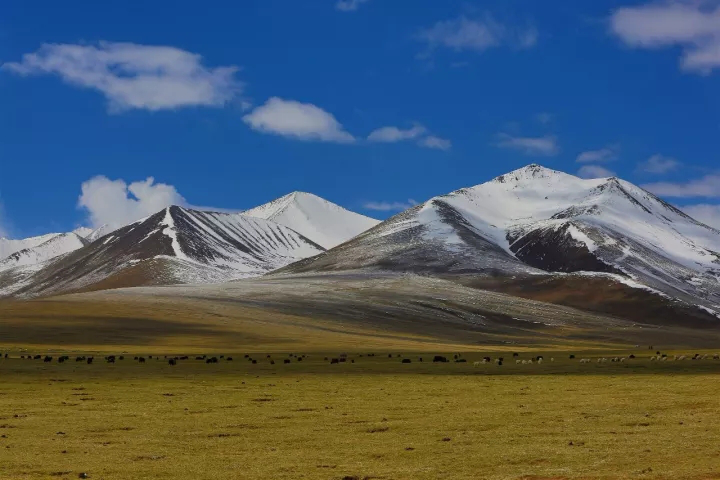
x=707 y=213
x=707 y=186
x=431 y=141
x=395 y=134
x=303 y=121
x=464 y=33
x=594 y=171
x=607 y=154
x=390 y=206
x=348 y=5
x=694 y=26
x=658 y=164
x=133 y=76
x=536 y=146
x=115 y=203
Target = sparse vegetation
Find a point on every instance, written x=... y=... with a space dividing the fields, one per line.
x=374 y=418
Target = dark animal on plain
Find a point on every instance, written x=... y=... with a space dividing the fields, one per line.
x=121 y=357
x=299 y=359
x=631 y=356
x=222 y=356
x=229 y=359
x=352 y=361
x=487 y=359
x=455 y=357
x=37 y=357
x=572 y=356
x=501 y=359
x=343 y=360
x=272 y=362
x=406 y=360
x=22 y=357
x=89 y=360
x=150 y=357
x=326 y=359
x=110 y=359
x=135 y=358
x=460 y=360
x=141 y=359
x=334 y=360
x=246 y=356
x=499 y=363
x=389 y=355
x=61 y=359
x=79 y=359
x=420 y=359
x=199 y=358
x=47 y=359
x=439 y=358
x=172 y=361
x=185 y=357
x=516 y=354
x=268 y=356
x=286 y=361
x=254 y=362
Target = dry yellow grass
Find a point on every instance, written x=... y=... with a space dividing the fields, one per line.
x=375 y=418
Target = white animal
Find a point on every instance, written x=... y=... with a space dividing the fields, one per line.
x=476 y=364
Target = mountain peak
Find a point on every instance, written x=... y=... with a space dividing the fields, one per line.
x=320 y=220
x=530 y=172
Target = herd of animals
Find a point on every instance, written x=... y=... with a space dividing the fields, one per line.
x=343 y=358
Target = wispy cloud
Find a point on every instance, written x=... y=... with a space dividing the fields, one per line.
x=594 y=171
x=389 y=206
x=431 y=141
x=348 y=5
x=394 y=134
x=477 y=35
x=534 y=146
x=116 y=203
x=133 y=76
x=544 y=117
x=607 y=154
x=303 y=121
x=709 y=214
x=658 y=164
x=693 y=25
x=424 y=139
x=707 y=186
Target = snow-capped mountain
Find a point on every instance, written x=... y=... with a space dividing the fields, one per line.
x=55 y=245
x=535 y=220
x=175 y=245
x=324 y=222
x=8 y=246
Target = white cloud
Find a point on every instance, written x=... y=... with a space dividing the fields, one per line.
x=658 y=164
x=464 y=33
x=692 y=25
x=431 y=141
x=607 y=154
x=390 y=206
x=134 y=76
x=594 y=171
x=539 y=146
x=706 y=213
x=348 y=5
x=303 y=121
x=707 y=186
x=395 y=134
x=115 y=203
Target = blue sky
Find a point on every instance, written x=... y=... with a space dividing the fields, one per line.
x=371 y=104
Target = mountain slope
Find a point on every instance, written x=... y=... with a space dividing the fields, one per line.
x=324 y=222
x=175 y=245
x=535 y=220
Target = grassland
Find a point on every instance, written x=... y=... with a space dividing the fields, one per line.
x=370 y=417
x=374 y=418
